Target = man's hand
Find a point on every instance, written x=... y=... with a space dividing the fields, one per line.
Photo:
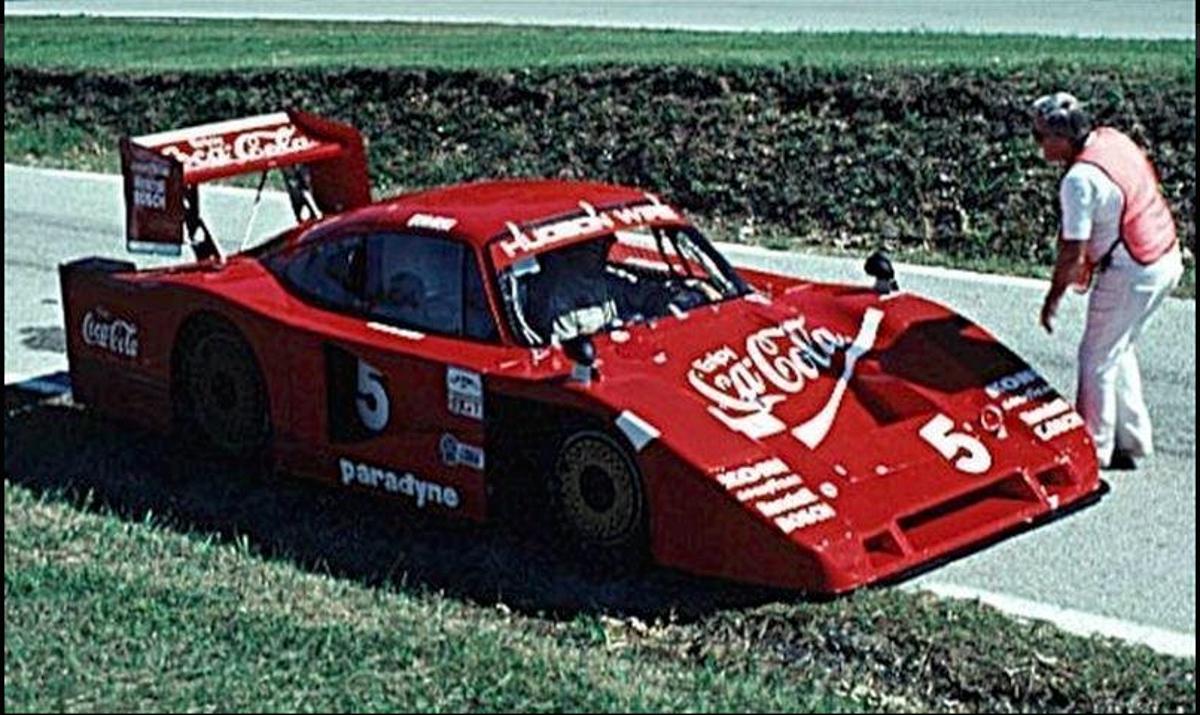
x=1069 y=263
x=1049 y=309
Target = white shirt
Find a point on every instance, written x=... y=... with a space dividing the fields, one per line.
x=1091 y=211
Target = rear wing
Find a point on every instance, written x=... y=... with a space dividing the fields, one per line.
x=324 y=165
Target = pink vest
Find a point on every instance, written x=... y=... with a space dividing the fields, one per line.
x=1146 y=225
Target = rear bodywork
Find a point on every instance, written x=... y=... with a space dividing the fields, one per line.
x=802 y=435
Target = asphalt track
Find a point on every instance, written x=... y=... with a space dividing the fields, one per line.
x=1126 y=567
x=1085 y=18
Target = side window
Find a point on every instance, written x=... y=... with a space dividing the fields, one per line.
x=416 y=281
x=477 y=312
x=330 y=272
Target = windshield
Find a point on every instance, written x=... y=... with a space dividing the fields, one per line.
x=617 y=279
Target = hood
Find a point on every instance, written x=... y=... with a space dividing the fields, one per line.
x=887 y=429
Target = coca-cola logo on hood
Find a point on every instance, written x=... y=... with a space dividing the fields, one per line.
x=102 y=330
x=744 y=388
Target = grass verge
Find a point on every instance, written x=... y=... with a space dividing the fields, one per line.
x=135 y=579
x=105 y=614
x=191 y=45
x=916 y=141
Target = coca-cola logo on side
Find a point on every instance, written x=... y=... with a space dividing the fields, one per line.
x=104 y=331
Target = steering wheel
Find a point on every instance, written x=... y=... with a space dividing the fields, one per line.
x=683 y=296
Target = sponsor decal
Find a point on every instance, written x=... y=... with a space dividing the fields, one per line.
x=1049 y=419
x=991 y=419
x=1013 y=384
x=806 y=517
x=779 y=494
x=536 y=239
x=789 y=502
x=776 y=363
x=421 y=491
x=212 y=151
x=464 y=392
x=769 y=487
x=1043 y=412
x=752 y=473
x=1017 y=389
x=436 y=223
x=812 y=432
x=103 y=330
x=150 y=184
x=1060 y=425
x=393 y=330
x=455 y=453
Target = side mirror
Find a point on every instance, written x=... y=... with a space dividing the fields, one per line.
x=582 y=352
x=879 y=267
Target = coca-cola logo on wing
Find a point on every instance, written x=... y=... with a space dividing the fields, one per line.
x=117 y=336
x=777 y=362
x=205 y=152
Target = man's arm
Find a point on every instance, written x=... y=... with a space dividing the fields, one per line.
x=1068 y=269
x=1077 y=196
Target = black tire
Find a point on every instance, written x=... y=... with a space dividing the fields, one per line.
x=221 y=398
x=597 y=497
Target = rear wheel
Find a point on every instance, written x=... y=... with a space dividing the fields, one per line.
x=596 y=493
x=221 y=395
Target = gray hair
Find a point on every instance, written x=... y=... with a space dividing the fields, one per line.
x=1061 y=115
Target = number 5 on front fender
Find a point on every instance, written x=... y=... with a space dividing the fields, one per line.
x=939 y=433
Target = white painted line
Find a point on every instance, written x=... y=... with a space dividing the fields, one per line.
x=1161 y=640
x=731 y=250
x=115 y=180
x=735 y=250
x=910 y=268
x=57 y=383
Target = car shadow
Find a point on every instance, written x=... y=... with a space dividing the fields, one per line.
x=53 y=447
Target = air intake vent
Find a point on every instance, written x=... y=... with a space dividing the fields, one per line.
x=950 y=520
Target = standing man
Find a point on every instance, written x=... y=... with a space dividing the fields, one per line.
x=1117 y=236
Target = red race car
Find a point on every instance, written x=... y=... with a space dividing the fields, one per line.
x=580 y=339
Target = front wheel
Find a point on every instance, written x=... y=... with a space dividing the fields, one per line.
x=596 y=493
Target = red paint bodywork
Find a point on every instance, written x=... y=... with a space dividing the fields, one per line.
x=893 y=500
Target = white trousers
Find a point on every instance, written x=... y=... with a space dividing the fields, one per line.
x=1109 y=395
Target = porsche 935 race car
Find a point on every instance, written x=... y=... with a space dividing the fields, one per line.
x=732 y=423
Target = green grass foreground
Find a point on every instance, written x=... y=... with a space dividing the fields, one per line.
x=138 y=578
x=103 y=615
x=191 y=45
x=110 y=614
